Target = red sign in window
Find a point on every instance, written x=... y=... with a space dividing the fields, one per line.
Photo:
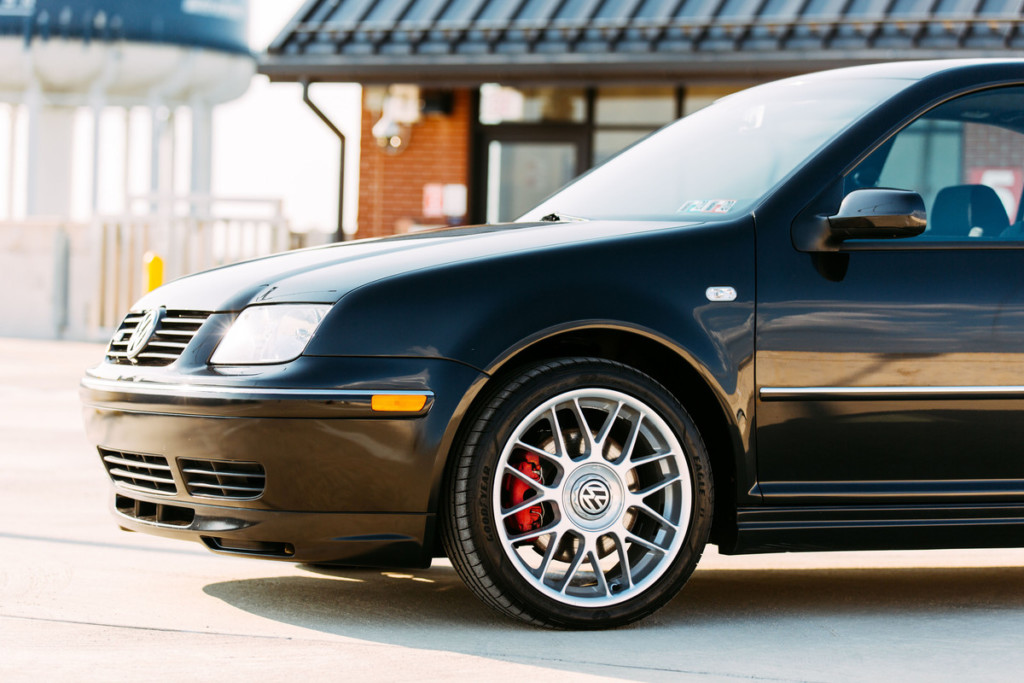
x=1008 y=183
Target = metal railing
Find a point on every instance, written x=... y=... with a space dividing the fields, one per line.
x=66 y=279
x=189 y=233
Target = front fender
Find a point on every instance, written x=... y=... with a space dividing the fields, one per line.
x=479 y=312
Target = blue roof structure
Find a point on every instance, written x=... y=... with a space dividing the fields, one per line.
x=472 y=41
x=212 y=24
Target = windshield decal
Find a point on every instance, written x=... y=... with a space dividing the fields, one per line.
x=708 y=206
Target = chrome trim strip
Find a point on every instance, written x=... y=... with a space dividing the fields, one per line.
x=959 y=489
x=239 y=393
x=839 y=393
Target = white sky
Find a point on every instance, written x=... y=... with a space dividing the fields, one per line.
x=269 y=144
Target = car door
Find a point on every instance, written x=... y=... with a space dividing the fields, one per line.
x=892 y=371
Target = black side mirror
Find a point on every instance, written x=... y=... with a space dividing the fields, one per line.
x=878 y=214
x=869 y=214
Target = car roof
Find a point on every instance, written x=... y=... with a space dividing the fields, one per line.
x=913 y=70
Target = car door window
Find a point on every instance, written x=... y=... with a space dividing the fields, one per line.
x=966 y=160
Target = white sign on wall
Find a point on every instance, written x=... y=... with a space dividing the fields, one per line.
x=444 y=201
x=433 y=200
x=455 y=200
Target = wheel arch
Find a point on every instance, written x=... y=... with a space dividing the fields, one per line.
x=670 y=365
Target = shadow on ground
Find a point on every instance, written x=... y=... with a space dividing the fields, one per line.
x=721 y=620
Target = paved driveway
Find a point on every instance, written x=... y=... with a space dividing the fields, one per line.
x=81 y=600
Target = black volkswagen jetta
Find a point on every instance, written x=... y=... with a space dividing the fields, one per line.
x=791 y=321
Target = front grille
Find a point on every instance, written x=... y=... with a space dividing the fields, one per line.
x=223 y=479
x=174 y=331
x=149 y=473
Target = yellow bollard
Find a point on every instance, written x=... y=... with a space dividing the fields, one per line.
x=152 y=271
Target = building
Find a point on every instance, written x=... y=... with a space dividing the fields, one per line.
x=474 y=110
x=106 y=111
x=62 y=61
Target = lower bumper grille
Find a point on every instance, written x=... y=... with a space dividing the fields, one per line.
x=224 y=479
x=150 y=473
x=154 y=513
x=243 y=547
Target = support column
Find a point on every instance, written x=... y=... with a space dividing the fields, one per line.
x=202 y=148
x=170 y=154
x=126 y=181
x=12 y=159
x=49 y=161
x=158 y=122
x=33 y=106
x=98 y=104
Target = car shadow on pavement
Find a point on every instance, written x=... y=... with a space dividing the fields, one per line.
x=432 y=609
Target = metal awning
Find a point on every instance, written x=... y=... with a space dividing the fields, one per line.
x=473 y=41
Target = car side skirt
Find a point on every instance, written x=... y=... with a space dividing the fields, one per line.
x=904 y=527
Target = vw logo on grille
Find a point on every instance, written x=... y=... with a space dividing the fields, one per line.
x=143 y=333
x=593 y=497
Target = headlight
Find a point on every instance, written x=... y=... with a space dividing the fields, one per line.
x=269 y=334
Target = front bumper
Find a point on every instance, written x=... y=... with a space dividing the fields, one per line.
x=337 y=481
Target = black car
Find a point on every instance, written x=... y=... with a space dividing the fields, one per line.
x=791 y=321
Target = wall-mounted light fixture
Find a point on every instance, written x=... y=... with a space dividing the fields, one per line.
x=400 y=108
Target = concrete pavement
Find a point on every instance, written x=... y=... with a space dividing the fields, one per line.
x=81 y=600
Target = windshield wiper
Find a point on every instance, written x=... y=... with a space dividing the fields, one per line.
x=561 y=217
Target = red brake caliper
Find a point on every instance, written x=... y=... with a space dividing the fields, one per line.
x=531 y=518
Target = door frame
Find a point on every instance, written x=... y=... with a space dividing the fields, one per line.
x=577 y=134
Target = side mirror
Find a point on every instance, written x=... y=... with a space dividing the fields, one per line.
x=878 y=214
x=869 y=214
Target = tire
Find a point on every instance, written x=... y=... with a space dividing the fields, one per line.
x=567 y=527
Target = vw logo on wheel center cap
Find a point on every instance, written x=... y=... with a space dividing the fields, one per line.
x=592 y=497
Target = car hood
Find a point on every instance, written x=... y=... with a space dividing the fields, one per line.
x=325 y=274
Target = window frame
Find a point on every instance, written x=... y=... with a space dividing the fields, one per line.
x=915 y=243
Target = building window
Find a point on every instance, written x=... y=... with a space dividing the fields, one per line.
x=530 y=141
x=632 y=106
x=501 y=104
x=623 y=115
x=700 y=96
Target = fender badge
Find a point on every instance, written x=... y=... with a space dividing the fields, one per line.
x=720 y=294
x=143 y=333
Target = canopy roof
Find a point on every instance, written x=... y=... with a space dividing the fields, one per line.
x=550 y=41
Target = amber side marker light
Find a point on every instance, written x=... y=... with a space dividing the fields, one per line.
x=398 y=403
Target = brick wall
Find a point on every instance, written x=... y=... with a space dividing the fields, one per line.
x=391 y=185
x=992 y=146
x=994 y=156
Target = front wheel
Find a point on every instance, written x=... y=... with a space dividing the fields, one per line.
x=581 y=497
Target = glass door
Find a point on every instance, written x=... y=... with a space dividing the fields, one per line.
x=523 y=167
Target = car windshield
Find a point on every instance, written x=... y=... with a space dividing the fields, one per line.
x=719 y=161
